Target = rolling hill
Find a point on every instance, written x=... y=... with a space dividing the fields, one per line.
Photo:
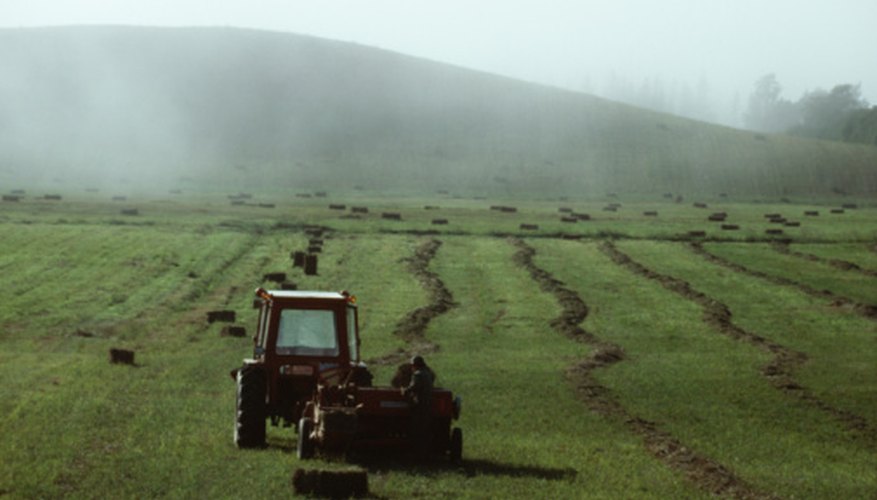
x=231 y=107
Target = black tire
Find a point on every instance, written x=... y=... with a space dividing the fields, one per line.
x=305 y=447
x=250 y=411
x=455 y=447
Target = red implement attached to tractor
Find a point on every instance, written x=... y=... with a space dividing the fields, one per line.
x=306 y=370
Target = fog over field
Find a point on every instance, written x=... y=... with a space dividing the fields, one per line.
x=506 y=96
x=699 y=59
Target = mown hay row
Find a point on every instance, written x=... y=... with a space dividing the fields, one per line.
x=704 y=472
x=784 y=360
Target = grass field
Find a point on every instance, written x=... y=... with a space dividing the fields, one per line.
x=743 y=364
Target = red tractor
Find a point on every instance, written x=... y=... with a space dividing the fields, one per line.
x=306 y=370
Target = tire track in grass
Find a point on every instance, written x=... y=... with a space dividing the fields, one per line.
x=778 y=371
x=413 y=326
x=844 y=265
x=869 y=311
x=704 y=472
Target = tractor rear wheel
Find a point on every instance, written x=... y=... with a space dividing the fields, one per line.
x=250 y=411
x=455 y=448
x=305 y=447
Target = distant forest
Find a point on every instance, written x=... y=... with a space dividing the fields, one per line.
x=839 y=114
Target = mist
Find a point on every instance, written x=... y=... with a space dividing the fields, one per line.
x=389 y=94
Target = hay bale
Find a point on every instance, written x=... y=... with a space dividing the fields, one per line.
x=276 y=277
x=315 y=241
x=302 y=195
x=298 y=259
x=564 y=210
x=792 y=224
x=223 y=315
x=772 y=216
x=723 y=195
x=440 y=222
x=811 y=213
x=56 y=197
x=610 y=208
x=330 y=483
x=572 y=220
x=266 y=205
x=718 y=217
x=679 y=199
x=11 y=198
x=650 y=213
x=314 y=249
x=359 y=210
x=321 y=194
x=430 y=207
x=233 y=331
x=581 y=216
x=508 y=210
x=668 y=195
x=237 y=203
x=18 y=191
x=837 y=210
x=730 y=227
x=697 y=234
x=529 y=227
x=700 y=204
x=391 y=215
x=310 y=265
x=337 y=206
x=121 y=356
x=778 y=220
x=130 y=211
x=773 y=231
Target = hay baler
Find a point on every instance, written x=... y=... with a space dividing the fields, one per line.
x=306 y=370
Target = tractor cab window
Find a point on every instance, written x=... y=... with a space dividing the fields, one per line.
x=351 y=334
x=307 y=332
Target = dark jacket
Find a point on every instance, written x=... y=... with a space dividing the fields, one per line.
x=419 y=390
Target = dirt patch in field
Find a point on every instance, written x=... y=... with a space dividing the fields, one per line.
x=704 y=472
x=779 y=371
x=869 y=311
x=786 y=249
x=413 y=326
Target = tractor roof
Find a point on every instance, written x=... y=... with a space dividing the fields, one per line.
x=305 y=294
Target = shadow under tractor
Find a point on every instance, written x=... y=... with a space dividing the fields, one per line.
x=306 y=371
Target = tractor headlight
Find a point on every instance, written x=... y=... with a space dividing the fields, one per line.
x=458 y=407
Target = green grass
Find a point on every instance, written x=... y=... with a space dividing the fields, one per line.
x=819 y=276
x=72 y=425
x=705 y=388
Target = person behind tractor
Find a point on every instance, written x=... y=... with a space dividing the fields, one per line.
x=419 y=394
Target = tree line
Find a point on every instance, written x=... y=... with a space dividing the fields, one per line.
x=840 y=114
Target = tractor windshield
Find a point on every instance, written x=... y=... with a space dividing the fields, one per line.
x=307 y=332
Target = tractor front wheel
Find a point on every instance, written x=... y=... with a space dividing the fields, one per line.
x=305 y=447
x=250 y=411
x=455 y=448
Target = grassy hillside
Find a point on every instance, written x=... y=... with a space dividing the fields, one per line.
x=231 y=107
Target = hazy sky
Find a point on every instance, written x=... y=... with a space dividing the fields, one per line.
x=577 y=44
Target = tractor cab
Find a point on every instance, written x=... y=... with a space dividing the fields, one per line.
x=303 y=338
